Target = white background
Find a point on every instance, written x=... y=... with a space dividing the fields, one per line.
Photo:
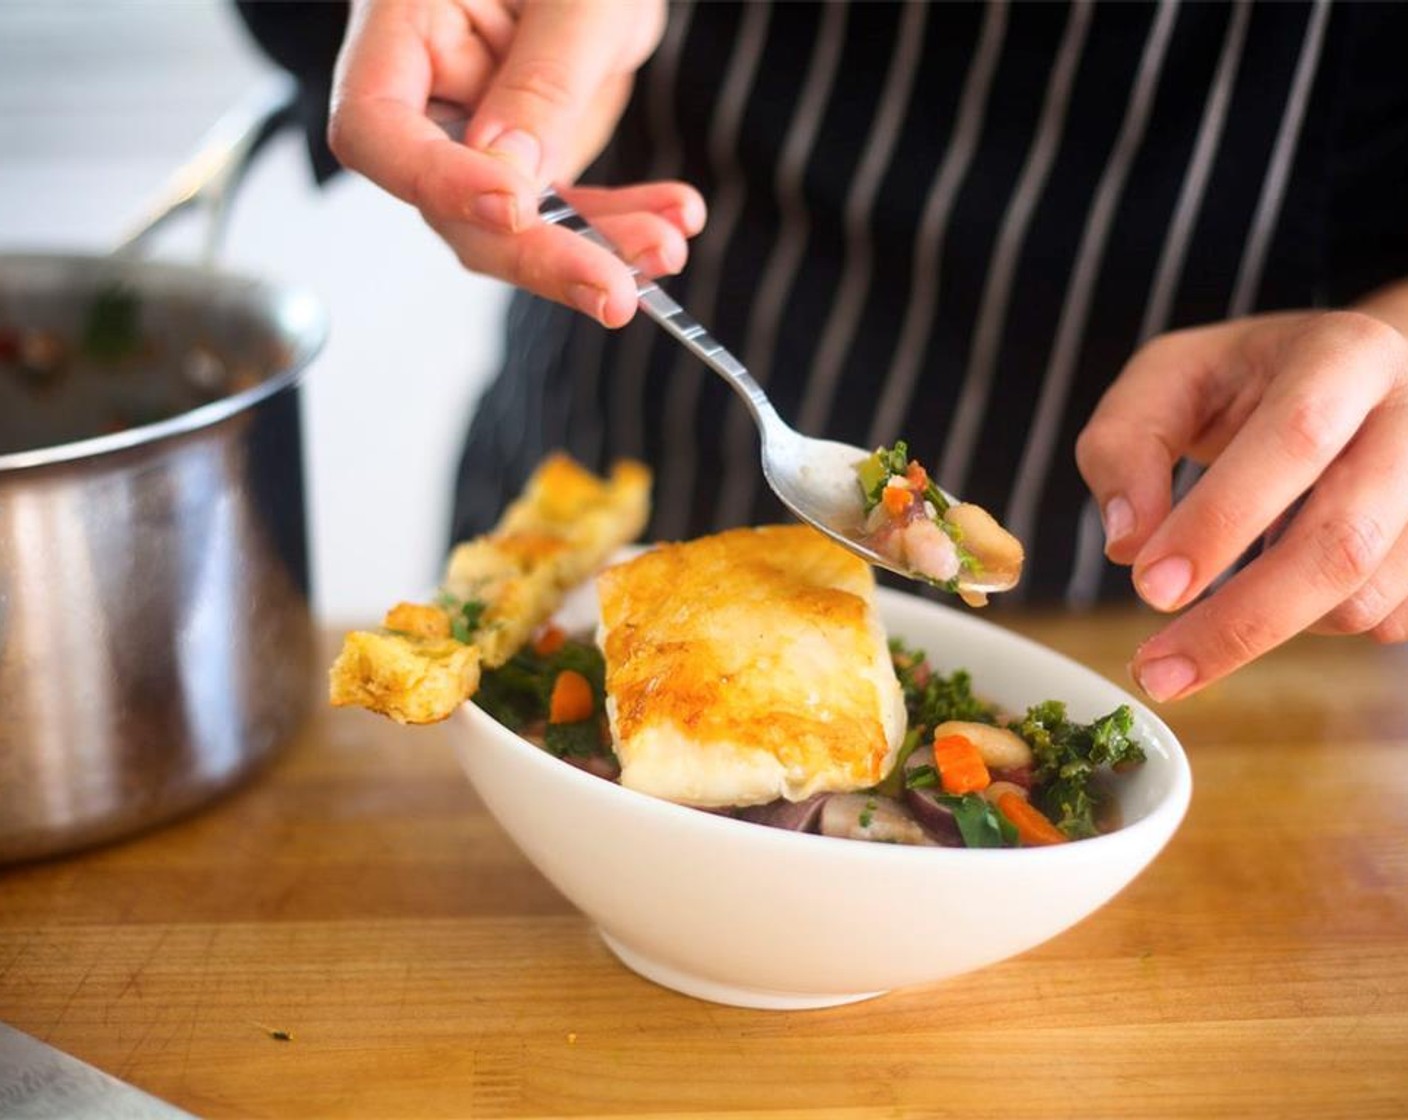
x=100 y=101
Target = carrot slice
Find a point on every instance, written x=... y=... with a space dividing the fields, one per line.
x=1033 y=829
x=896 y=499
x=572 y=699
x=549 y=640
x=961 y=768
x=916 y=475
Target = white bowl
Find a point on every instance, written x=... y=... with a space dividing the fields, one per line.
x=743 y=914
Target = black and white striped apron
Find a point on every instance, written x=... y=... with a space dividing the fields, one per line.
x=953 y=224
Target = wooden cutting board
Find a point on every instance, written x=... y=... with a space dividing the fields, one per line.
x=352 y=935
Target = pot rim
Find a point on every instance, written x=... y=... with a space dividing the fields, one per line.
x=296 y=311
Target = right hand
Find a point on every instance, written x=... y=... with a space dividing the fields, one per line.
x=542 y=84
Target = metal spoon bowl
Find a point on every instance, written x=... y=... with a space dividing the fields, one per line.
x=815 y=478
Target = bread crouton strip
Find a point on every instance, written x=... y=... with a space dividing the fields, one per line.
x=410 y=679
x=497 y=590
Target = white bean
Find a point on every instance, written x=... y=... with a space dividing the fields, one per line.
x=998 y=551
x=997 y=789
x=1000 y=748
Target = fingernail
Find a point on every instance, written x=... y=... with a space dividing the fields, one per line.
x=686 y=219
x=520 y=148
x=652 y=263
x=498 y=209
x=1163 y=584
x=588 y=299
x=646 y=263
x=1166 y=677
x=1118 y=516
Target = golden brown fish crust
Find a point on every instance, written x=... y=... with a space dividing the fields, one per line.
x=748 y=666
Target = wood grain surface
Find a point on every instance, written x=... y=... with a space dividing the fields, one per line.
x=351 y=935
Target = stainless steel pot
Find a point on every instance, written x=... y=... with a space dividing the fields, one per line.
x=156 y=637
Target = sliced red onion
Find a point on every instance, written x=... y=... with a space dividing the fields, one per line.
x=925 y=803
x=795 y=816
x=600 y=765
x=1017 y=775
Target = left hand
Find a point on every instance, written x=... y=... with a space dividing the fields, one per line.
x=1301 y=419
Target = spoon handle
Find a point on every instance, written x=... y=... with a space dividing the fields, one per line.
x=555 y=210
x=213 y=173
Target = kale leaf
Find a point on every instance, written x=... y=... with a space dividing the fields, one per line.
x=1068 y=755
x=580 y=740
x=931 y=698
x=514 y=692
x=518 y=692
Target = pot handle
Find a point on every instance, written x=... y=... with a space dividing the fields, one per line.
x=213 y=173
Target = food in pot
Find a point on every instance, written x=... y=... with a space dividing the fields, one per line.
x=66 y=377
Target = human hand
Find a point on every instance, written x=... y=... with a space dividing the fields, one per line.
x=1302 y=422
x=542 y=83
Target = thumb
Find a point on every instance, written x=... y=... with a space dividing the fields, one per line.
x=567 y=56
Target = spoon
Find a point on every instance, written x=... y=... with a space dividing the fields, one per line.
x=815 y=478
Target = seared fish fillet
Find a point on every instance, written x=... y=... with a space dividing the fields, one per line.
x=497 y=590
x=748 y=666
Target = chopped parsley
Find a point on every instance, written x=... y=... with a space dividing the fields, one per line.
x=466 y=615
x=894 y=462
x=967 y=560
x=922 y=777
x=867 y=815
x=877 y=470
